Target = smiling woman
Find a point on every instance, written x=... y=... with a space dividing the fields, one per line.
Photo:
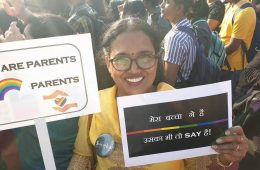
x=130 y=47
x=132 y=74
x=130 y=50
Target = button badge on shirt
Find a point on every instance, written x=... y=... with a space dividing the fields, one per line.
x=105 y=145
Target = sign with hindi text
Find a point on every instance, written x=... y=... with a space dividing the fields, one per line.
x=173 y=125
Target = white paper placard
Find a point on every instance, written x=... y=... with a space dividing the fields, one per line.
x=173 y=125
x=52 y=78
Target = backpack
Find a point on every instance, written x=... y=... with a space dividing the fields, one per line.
x=98 y=24
x=255 y=44
x=204 y=71
x=217 y=53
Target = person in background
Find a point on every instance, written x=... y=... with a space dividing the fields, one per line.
x=155 y=19
x=83 y=19
x=249 y=79
x=112 y=12
x=252 y=72
x=179 y=47
x=256 y=4
x=98 y=5
x=81 y=23
x=216 y=14
x=237 y=34
x=198 y=17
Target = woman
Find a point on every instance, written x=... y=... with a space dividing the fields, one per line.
x=130 y=47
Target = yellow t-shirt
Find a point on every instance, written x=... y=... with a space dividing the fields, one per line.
x=242 y=28
x=107 y=122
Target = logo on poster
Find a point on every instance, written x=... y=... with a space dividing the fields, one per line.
x=61 y=102
x=9 y=84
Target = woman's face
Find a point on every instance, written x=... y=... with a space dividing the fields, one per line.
x=132 y=45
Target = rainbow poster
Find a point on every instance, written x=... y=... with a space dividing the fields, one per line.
x=52 y=78
x=9 y=84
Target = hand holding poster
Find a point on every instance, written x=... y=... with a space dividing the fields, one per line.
x=53 y=78
x=175 y=124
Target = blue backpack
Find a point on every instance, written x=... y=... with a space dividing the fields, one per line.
x=204 y=71
x=217 y=52
x=255 y=44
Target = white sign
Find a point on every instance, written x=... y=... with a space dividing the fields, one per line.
x=173 y=125
x=53 y=78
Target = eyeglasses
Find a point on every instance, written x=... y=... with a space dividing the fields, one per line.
x=123 y=62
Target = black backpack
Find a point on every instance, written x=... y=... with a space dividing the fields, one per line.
x=255 y=44
x=204 y=71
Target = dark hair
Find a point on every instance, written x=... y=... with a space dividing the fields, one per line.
x=152 y=3
x=6 y=20
x=200 y=9
x=48 y=26
x=113 y=6
x=129 y=25
x=134 y=8
x=119 y=27
x=186 y=4
x=58 y=7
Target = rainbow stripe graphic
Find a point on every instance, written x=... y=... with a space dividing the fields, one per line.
x=177 y=127
x=9 y=84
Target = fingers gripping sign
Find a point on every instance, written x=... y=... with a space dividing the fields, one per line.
x=233 y=146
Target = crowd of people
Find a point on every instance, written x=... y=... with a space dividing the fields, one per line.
x=140 y=46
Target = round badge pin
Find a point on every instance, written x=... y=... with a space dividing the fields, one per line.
x=105 y=145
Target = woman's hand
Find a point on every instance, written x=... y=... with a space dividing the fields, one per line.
x=16 y=8
x=233 y=146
